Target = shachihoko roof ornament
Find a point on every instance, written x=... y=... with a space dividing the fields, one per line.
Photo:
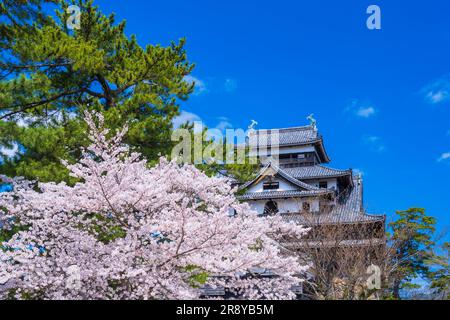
x=312 y=121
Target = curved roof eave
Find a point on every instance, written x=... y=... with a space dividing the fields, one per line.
x=326 y=158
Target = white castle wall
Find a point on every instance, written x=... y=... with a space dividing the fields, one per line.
x=285 y=205
x=284 y=186
x=332 y=183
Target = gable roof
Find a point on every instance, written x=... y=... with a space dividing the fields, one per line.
x=281 y=173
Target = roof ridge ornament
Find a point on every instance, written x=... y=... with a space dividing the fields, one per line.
x=312 y=121
x=359 y=178
x=252 y=125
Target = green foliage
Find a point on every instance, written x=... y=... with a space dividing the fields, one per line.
x=45 y=145
x=6 y=234
x=440 y=275
x=48 y=72
x=202 y=146
x=19 y=13
x=197 y=277
x=257 y=246
x=411 y=239
x=104 y=228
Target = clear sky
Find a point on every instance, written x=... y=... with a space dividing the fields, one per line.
x=381 y=97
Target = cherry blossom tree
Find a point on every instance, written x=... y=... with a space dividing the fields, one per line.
x=127 y=231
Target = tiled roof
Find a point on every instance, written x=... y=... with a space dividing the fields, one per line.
x=283 y=174
x=287 y=136
x=212 y=291
x=219 y=291
x=282 y=194
x=333 y=243
x=295 y=136
x=349 y=210
x=317 y=171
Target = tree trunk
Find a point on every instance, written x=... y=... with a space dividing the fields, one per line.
x=396 y=289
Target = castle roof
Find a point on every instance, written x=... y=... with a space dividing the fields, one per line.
x=289 y=137
x=270 y=168
x=333 y=243
x=317 y=171
x=338 y=205
x=348 y=207
x=265 y=195
x=348 y=211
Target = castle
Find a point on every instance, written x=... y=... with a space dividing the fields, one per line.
x=296 y=183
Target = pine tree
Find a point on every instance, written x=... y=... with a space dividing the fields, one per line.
x=19 y=13
x=49 y=74
x=412 y=243
x=440 y=276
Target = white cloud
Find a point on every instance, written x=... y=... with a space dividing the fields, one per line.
x=185 y=117
x=360 y=109
x=437 y=96
x=9 y=152
x=375 y=143
x=190 y=117
x=230 y=85
x=444 y=156
x=365 y=112
x=217 y=131
x=223 y=124
x=200 y=86
x=371 y=139
x=25 y=121
x=437 y=91
x=21 y=120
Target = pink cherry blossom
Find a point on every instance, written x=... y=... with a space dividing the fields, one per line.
x=127 y=231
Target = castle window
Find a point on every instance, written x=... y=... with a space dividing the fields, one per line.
x=306 y=206
x=271 y=207
x=323 y=184
x=271 y=185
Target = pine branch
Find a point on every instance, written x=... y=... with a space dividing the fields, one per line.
x=24 y=107
x=36 y=66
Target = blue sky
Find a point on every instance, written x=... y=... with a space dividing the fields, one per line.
x=381 y=97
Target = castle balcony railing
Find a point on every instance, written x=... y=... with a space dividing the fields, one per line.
x=296 y=163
